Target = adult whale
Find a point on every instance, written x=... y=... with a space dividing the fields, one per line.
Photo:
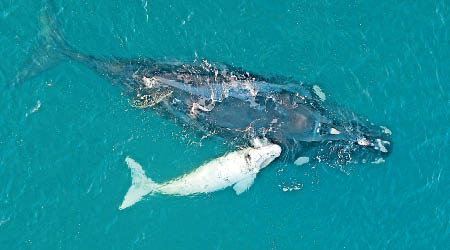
x=228 y=102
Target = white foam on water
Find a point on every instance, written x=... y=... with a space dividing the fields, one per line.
x=36 y=108
x=291 y=188
x=378 y=161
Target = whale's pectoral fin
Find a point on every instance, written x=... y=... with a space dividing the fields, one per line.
x=244 y=184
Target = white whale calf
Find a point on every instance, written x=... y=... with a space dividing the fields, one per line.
x=238 y=168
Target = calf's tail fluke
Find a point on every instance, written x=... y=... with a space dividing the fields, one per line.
x=141 y=185
x=51 y=48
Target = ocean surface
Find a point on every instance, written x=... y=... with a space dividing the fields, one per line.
x=65 y=133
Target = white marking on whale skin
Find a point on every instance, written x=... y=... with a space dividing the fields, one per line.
x=238 y=168
x=381 y=146
x=319 y=93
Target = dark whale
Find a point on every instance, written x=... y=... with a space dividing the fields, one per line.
x=224 y=101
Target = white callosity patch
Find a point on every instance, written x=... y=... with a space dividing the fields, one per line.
x=386 y=130
x=381 y=146
x=237 y=168
x=319 y=92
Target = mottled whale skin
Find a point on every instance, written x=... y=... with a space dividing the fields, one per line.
x=231 y=103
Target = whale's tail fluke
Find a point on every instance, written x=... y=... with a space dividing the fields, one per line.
x=141 y=185
x=50 y=50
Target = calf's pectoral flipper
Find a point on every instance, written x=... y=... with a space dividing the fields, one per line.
x=244 y=184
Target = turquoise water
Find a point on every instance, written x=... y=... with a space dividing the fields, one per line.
x=62 y=169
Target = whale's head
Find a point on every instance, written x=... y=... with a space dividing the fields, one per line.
x=356 y=141
x=348 y=138
x=263 y=155
x=332 y=135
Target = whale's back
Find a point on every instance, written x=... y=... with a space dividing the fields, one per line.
x=212 y=176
